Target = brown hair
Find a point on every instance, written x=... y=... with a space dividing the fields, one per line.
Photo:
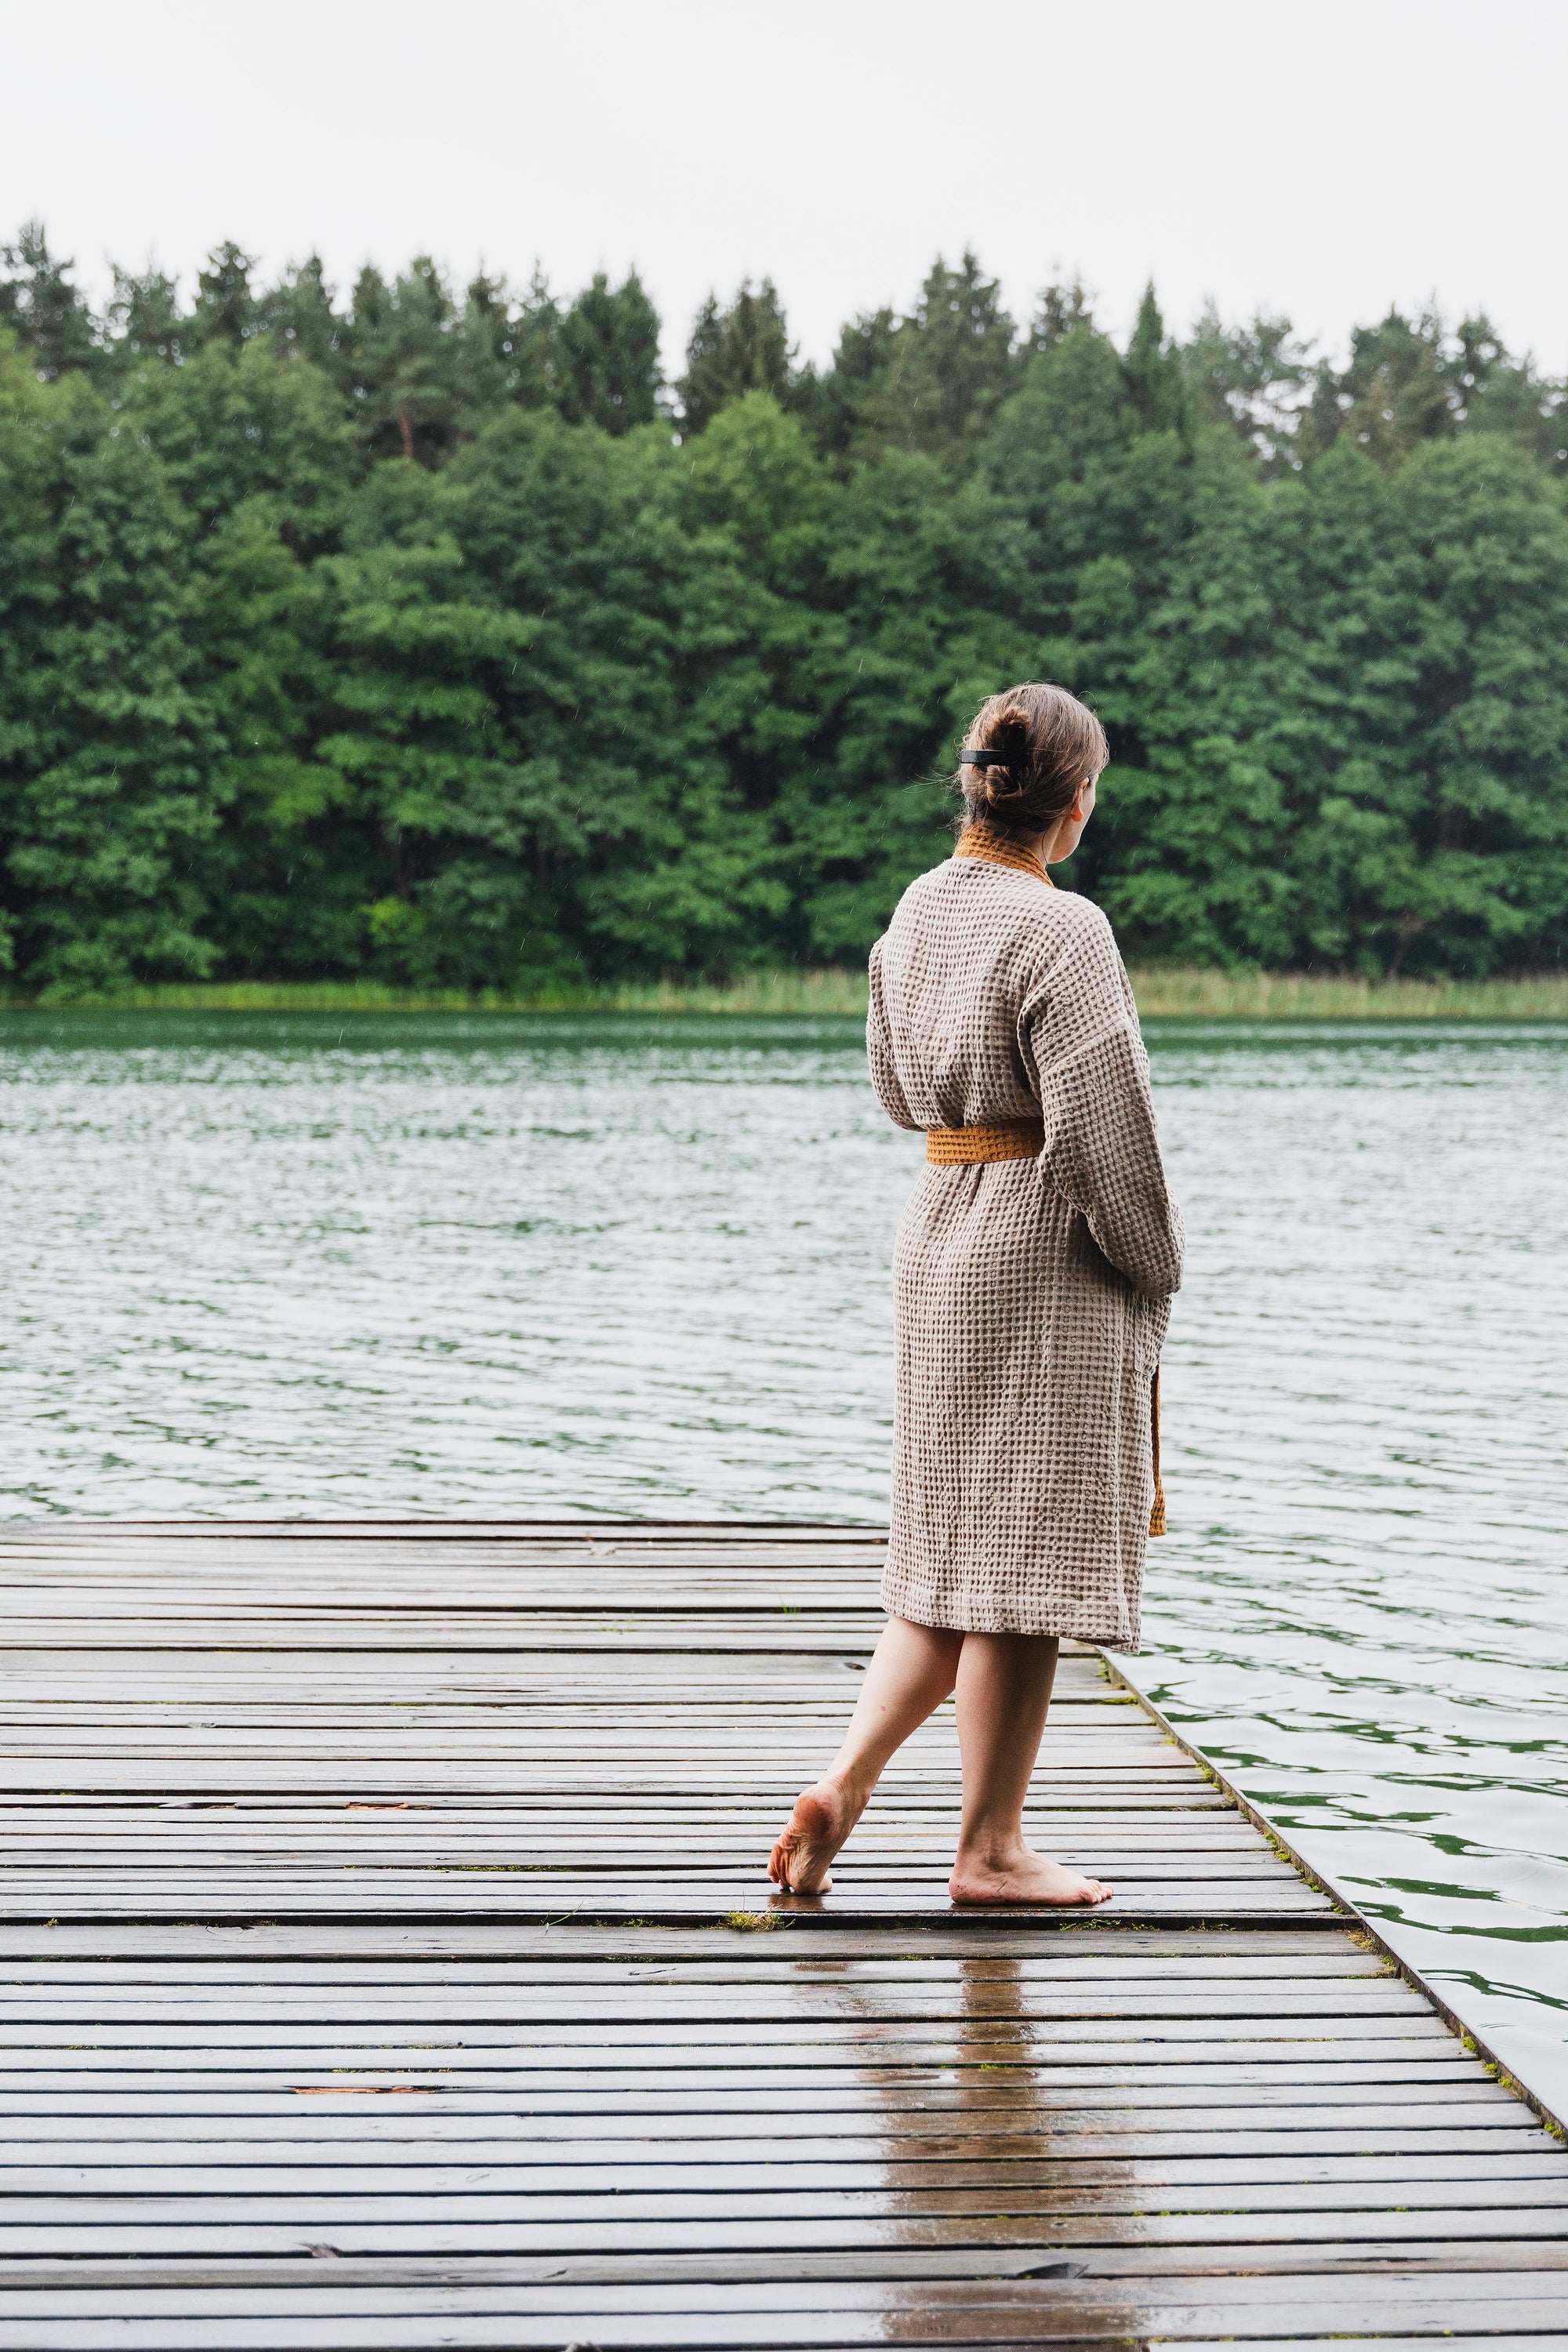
x=1046 y=743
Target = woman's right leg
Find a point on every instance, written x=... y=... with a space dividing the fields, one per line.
x=1004 y=1693
x=913 y=1668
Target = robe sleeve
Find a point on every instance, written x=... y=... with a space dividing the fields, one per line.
x=1079 y=1027
x=879 y=1052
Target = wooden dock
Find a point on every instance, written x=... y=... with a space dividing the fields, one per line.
x=389 y=1962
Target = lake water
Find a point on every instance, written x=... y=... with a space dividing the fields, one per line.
x=514 y=1268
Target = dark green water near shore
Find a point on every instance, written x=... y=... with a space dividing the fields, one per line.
x=513 y=1266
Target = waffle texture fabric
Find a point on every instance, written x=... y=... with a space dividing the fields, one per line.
x=1031 y=1295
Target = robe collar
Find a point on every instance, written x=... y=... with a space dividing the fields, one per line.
x=999 y=848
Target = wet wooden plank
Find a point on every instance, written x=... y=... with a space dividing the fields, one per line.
x=631 y=2156
x=1511 y=2307
x=1150 y=2080
x=561 y=2252
x=628 y=2009
x=533 y=2137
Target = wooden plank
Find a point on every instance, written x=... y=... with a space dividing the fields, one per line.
x=825 y=2253
x=455 y=2094
x=278 y=2048
x=233 y=2162
x=1138 y=1955
x=1281 y=2209
x=796 y=1979
x=616 y=2167
x=1319 y=2001
x=227 y=2138
x=1060 y=2309
x=991 y=1941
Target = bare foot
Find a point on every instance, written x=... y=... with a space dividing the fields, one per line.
x=1024 y=1877
x=821 y=1819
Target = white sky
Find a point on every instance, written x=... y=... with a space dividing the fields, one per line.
x=1323 y=159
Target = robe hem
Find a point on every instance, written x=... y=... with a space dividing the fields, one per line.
x=1064 y=1625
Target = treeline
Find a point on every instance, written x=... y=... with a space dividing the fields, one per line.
x=436 y=638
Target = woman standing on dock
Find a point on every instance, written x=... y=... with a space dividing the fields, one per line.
x=1033 y=1274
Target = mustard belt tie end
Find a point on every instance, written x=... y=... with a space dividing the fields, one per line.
x=1157 y=1516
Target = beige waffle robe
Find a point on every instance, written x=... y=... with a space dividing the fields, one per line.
x=1032 y=1294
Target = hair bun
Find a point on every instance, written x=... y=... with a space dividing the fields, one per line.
x=1009 y=737
x=1031 y=750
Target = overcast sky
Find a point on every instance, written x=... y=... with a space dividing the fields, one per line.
x=1323 y=161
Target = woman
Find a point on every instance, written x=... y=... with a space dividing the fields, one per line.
x=1034 y=1270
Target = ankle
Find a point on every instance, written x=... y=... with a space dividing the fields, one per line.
x=991 y=1850
x=849 y=1788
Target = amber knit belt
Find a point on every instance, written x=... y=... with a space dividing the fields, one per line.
x=967 y=1147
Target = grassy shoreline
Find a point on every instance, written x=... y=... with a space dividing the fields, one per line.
x=1162 y=994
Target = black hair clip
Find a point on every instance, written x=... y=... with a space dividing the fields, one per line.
x=973 y=759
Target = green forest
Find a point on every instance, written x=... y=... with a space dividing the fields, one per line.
x=429 y=637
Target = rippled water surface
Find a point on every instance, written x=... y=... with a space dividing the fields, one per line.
x=511 y=1266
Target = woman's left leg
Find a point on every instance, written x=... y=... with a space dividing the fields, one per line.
x=1004 y=1690
x=912 y=1671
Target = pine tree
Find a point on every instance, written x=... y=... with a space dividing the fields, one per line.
x=43 y=309
x=743 y=349
x=146 y=324
x=405 y=361
x=836 y=403
x=1395 y=393
x=1151 y=371
x=299 y=317
x=1061 y=309
x=226 y=310
x=951 y=366
x=361 y=344
x=1254 y=378
x=508 y=352
x=609 y=357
